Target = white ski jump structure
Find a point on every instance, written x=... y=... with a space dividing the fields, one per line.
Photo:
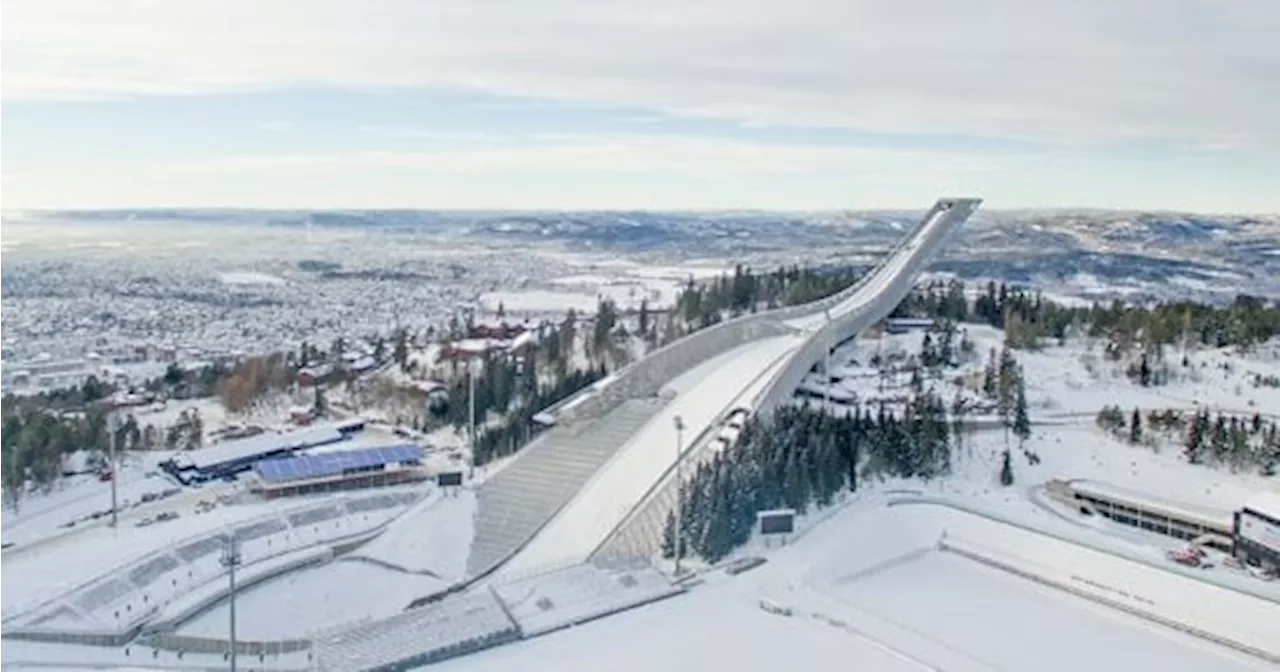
x=586 y=496
x=595 y=484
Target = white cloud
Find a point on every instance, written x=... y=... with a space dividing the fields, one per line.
x=275 y=126
x=561 y=153
x=1198 y=72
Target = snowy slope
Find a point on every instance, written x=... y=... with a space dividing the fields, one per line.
x=432 y=538
x=703 y=394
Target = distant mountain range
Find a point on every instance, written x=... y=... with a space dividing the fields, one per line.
x=1081 y=252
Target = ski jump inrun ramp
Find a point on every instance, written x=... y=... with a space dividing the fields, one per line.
x=594 y=484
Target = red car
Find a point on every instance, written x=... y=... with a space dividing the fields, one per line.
x=1190 y=556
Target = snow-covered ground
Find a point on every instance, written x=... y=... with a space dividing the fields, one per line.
x=300 y=603
x=626 y=285
x=712 y=628
x=1064 y=399
x=432 y=538
x=869 y=589
x=932 y=609
x=40 y=515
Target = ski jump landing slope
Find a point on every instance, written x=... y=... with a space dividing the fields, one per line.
x=753 y=362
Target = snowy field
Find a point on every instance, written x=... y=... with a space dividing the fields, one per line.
x=300 y=603
x=583 y=292
x=1007 y=623
x=712 y=628
x=921 y=610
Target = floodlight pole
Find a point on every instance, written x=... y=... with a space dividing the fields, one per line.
x=678 y=532
x=826 y=372
x=113 y=427
x=230 y=559
x=826 y=389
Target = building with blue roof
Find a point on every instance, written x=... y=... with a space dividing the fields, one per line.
x=339 y=470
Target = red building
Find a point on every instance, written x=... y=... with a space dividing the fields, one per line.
x=498 y=328
x=310 y=375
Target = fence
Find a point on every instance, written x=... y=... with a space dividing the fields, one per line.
x=168 y=641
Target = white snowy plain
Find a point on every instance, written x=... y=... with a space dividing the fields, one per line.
x=922 y=610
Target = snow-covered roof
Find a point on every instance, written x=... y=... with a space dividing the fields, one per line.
x=428 y=386
x=525 y=338
x=1266 y=502
x=263 y=443
x=1155 y=502
x=476 y=345
x=362 y=363
x=317 y=371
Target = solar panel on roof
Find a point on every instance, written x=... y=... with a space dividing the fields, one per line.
x=302 y=467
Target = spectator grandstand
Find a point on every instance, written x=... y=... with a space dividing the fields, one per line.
x=464 y=623
x=581 y=593
x=114 y=607
x=456 y=626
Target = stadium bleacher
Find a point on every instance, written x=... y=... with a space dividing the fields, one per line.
x=516 y=502
x=124 y=599
x=580 y=593
x=459 y=625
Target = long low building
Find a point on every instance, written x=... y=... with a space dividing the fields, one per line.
x=228 y=458
x=1257 y=531
x=1154 y=514
x=1251 y=533
x=338 y=470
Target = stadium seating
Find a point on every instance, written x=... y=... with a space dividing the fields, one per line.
x=126 y=598
x=459 y=625
x=580 y=593
x=521 y=498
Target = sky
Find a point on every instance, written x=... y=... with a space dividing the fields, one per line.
x=651 y=104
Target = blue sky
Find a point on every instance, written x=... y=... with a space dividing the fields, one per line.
x=812 y=104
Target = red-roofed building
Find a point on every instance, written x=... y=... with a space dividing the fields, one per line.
x=499 y=328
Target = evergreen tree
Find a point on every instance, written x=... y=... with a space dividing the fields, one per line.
x=1196 y=438
x=958 y=410
x=400 y=351
x=644 y=318
x=989 y=376
x=319 y=406
x=1021 y=422
x=1219 y=441
x=1006 y=470
x=669 y=536
x=1135 y=427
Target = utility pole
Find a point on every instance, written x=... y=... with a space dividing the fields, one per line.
x=113 y=428
x=230 y=559
x=471 y=394
x=826 y=389
x=14 y=492
x=679 y=532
